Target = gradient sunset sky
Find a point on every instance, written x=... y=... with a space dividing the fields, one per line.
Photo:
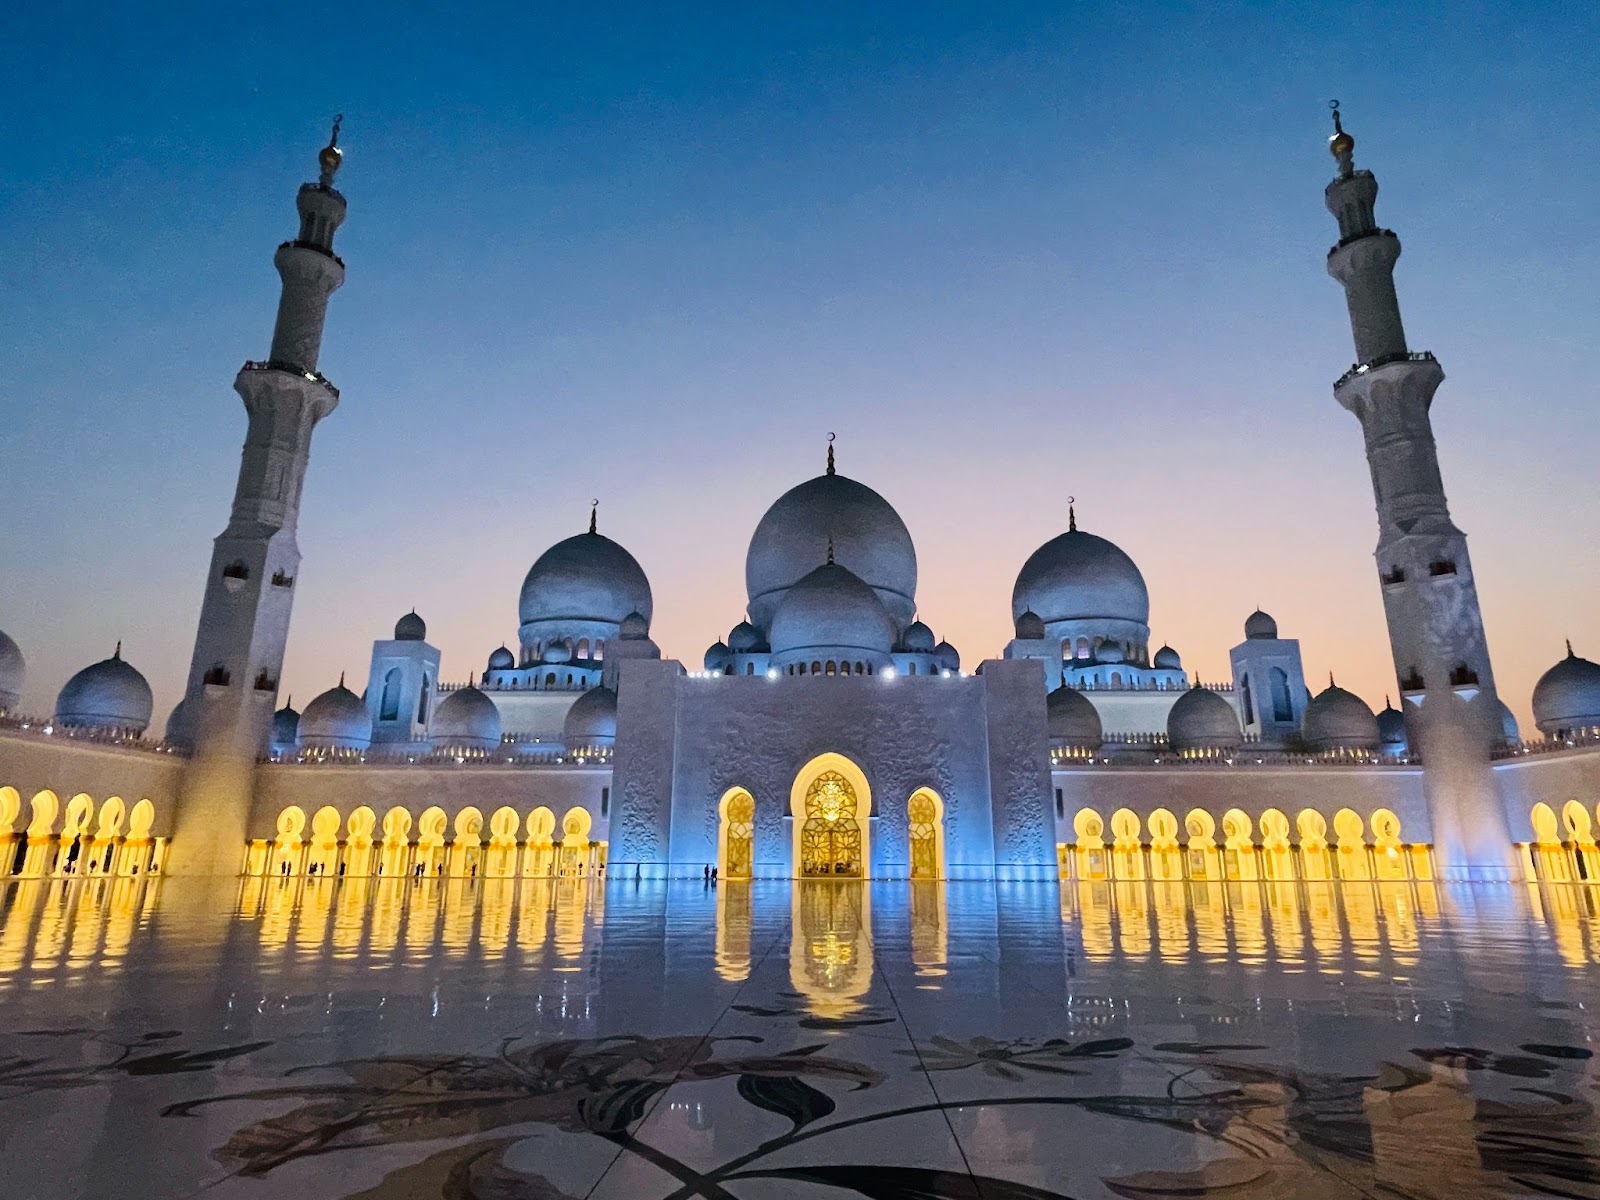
x=653 y=255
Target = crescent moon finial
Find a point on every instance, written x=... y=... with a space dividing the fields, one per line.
x=830 y=454
x=594 y=510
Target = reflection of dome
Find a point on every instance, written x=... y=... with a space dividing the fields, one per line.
x=1202 y=720
x=745 y=638
x=335 y=720
x=1030 y=628
x=584 y=578
x=1339 y=720
x=716 y=656
x=831 y=609
x=1259 y=625
x=285 y=728
x=13 y=669
x=410 y=628
x=1392 y=730
x=918 y=638
x=592 y=721
x=949 y=660
x=1072 y=720
x=107 y=695
x=502 y=659
x=1078 y=576
x=1567 y=696
x=466 y=719
x=1167 y=659
x=868 y=537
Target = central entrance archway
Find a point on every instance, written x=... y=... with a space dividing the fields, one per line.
x=830 y=804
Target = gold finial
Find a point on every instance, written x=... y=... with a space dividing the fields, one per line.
x=594 y=511
x=1072 y=515
x=330 y=156
x=830 y=460
x=1341 y=144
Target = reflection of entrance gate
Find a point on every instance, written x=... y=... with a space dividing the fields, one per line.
x=830 y=839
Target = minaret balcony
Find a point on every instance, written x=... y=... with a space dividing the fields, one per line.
x=291 y=369
x=1360 y=369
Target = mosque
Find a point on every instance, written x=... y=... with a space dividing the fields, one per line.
x=831 y=733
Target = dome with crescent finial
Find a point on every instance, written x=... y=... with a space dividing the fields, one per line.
x=502 y=659
x=1259 y=626
x=466 y=719
x=582 y=587
x=1079 y=583
x=831 y=610
x=591 y=722
x=1030 y=627
x=110 y=694
x=285 y=729
x=745 y=638
x=1567 y=696
x=1339 y=720
x=869 y=539
x=336 y=720
x=1073 y=721
x=1392 y=737
x=1201 y=719
x=917 y=639
x=1167 y=659
x=410 y=628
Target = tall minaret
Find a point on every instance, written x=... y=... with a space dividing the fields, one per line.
x=226 y=711
x=1435 y=628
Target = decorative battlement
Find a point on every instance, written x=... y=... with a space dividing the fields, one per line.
x=1137 y=750
x=44 y=727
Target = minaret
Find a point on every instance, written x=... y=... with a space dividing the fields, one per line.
x=1429 y=598
x=226 y=714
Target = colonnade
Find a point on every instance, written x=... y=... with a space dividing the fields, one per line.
x=83 y=837
x=431 y=846
x=1270 y=847
x=1563 y=849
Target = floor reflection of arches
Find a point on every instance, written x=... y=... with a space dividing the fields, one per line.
x=831 y=803
x=736 y=831
x=830 y=948
x=733 y=930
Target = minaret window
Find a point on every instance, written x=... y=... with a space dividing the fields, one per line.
x=1282 y=708
x=1083 y=647
x=1441 y=566
x=279 y=579
x=265 y=682
x=1393 y=575
x=1412 y=682
x=1463 y=676
x=422 y=702
x=236 y=570
x=583 y=647
x=389 y=707
x=1249 y=707
x=217 y=676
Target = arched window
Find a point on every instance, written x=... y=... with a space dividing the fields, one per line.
x=912 y=670
x=1244 y=696
x=422 y=701
x=1083 y=647
x=599 y=649
x=861 y=668
x=816 y=668
x=1116 y=679
x=830 y=667
x=389 y=708
x=749 y=668
x=583 y=647
x=1282 y=709
x=550 y=679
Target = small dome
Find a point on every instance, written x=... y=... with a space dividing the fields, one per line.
x=466 y=719
x=1078 y=576
x=584 y=578
x=1258 y=625
x=917 y=638
x=556 y=652
x=1108 y=652
x=832 y=609
x=410 y=628
x=1072 y=720
x=1339 y=720
x=285 y=728
x=335 y=720
x=635 y=627
x=1167 y=659
x=745 y=639
x=1030 y=627
x=179 y=730
x=502 y=660
x=1392 y=735
x=107 y=695
x=1567 y=696
x=592 y=721
x=1203 y=720
x=1508 y=724
x=869 y=539
x=948 y=659
x=13 y=669
x=716 y=656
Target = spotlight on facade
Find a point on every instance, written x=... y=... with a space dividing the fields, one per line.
x=772 y=672
x=887 y=673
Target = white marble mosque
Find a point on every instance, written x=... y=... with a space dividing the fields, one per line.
x=831 y=733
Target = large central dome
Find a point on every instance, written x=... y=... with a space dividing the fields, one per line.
x=1080 y=577
x=869 y=539
x=584 y=578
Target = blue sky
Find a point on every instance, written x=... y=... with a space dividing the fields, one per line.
x=1008 y=252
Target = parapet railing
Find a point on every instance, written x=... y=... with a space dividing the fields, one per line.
x=1153 y=749
x=515 y=750
x=289 y=368
x=127 y=739
x=1571 y=740
x=1154 y=685
x=1383 y=360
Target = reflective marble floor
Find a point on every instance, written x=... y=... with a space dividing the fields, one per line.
x=494 y=1041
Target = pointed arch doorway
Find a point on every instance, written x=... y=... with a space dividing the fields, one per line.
x=830 y=804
